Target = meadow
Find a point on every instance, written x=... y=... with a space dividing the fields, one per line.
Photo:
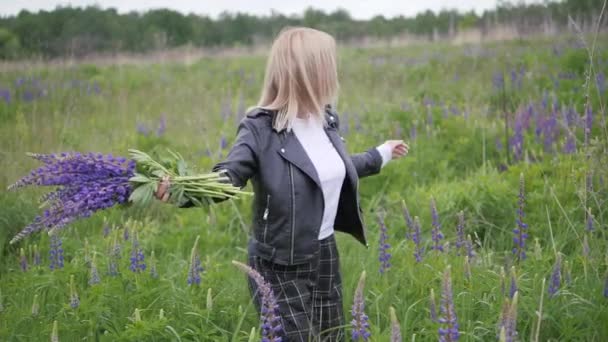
x=513 y=134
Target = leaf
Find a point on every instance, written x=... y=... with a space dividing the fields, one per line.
x=142 y=194
x=139 y=178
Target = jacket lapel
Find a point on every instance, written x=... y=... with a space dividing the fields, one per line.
x=293 y=152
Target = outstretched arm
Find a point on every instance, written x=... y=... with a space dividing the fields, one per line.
x=370 y=162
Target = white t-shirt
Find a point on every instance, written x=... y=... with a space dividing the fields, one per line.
x=329 y=166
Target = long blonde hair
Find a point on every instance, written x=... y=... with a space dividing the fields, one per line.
x=301 y=75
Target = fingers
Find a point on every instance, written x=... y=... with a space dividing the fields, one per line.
x=400 y=148
x=162 y=190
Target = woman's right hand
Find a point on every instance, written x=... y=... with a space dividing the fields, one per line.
x=162 y=190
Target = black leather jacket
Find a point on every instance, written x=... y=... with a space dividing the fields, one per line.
x=288 y=204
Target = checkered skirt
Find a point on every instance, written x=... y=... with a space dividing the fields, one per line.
x=309 y=295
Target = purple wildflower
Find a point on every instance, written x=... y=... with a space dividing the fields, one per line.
x=56 y=253
x=418 y=250
x=433 y=307
x=498 y=80
x=513 y=288
x=5 y=94
x=469 y=247
x=395 y=327
x=384 y=256
x=125 y=234
x=437 y=236
x=606 y=286
x=570 y=144
x=556 y=276
x=460 y=242
x=106 y=229
x=271 y=321
x=142 y=129
x=600 y=81
x=114 y=255
x=195 y=269
x=23 y=260
x=508 y=322
x=37 y=258
x=223 y=142
x=413 y=133
x=137 y=256
x=449 y=330
x=360 y=324
x=408 y=221
x=94 y=274
x=521 y=231
x=86 y=183
x=162 y=125
x=517 y=140
x=74 y=300
x=589 y=220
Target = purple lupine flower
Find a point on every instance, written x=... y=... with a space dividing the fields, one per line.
x=74 y=300
x=125 y=233
x=86 y=183
x=550 y=130
x=137 y=256
x=418 y=250
x=513 y=288
x=498 y=143
x=498 y=80
x=37 y=258
x=5 y=94
x=195 y=269
x=384 y=255
x=413 y=133
x=469 y=247
x=162 y=125
x=437 y=236
x=360 y=324
x=600 y=81
x=408 y=221
x=114 y=256
x=433 y=307
x=508 y=322
x=106 y=229
x=556 y=276
x=23 y=260
x=521 y=231
x=570 y=144
x=449 y=330
x=606 y=286
x=223 y=142
x=56 y=253
x=271 y=321
x=590 y=227
x=153 y=271
x=142 y=129
x=516 y=142
x=395 y=326
x=460 y=241
x=94 y=274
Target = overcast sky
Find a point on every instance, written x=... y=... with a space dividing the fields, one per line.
x=360 y=9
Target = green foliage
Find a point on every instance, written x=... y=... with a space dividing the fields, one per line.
x=385 y=93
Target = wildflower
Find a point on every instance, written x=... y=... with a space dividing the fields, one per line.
x=86 y=183
x=94 y=274
x=606 y=285
x=113 y=256
x=570 y=144
x=56 y=253
x=37 y=258
x=516 y=142
x=498 y=80
x=586 y=249
x=395 y=327
x=467 y=268
x=23 y=260
x=74 y=300
x=433 y=306
x=513 y=288
x=437 y=236
x=600 y=81
x=55 y=332
x=209 y=300
x=469 y=247
x=408 y=220
x=153 y=271
x=271 y=321
x=508 y=321
x=384 y=256
x=137 y=256
x=360 y=324
x=35 y=306
x=125 y=234
x=195 y=269
x=106 y=228
x=418 y=250
x=142 y=129
x=5 y=94
x=520 y=232
x=460 y=232
x=556 y=275
x=449 y=330
x=589 y=220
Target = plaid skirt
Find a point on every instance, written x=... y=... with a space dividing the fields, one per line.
x=309 y=295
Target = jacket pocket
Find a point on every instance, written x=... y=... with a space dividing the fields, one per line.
x=265 y=218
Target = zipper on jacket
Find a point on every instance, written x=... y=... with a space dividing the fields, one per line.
x=265 y=216
x=293 y=212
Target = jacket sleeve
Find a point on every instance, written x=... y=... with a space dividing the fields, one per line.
x=241 y=163
x=367 y=163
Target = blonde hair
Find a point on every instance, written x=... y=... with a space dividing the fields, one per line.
x=301 y=75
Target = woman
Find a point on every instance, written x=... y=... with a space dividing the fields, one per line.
x=305 y=183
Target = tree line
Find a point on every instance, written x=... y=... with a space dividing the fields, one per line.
x=73 y=31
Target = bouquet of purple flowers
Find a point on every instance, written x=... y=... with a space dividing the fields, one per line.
x=87 y=183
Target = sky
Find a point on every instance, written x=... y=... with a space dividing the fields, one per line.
x=359 y=9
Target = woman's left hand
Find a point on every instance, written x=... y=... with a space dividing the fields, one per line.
x=398 y=148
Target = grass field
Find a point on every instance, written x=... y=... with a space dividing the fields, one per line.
x=448 y=102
